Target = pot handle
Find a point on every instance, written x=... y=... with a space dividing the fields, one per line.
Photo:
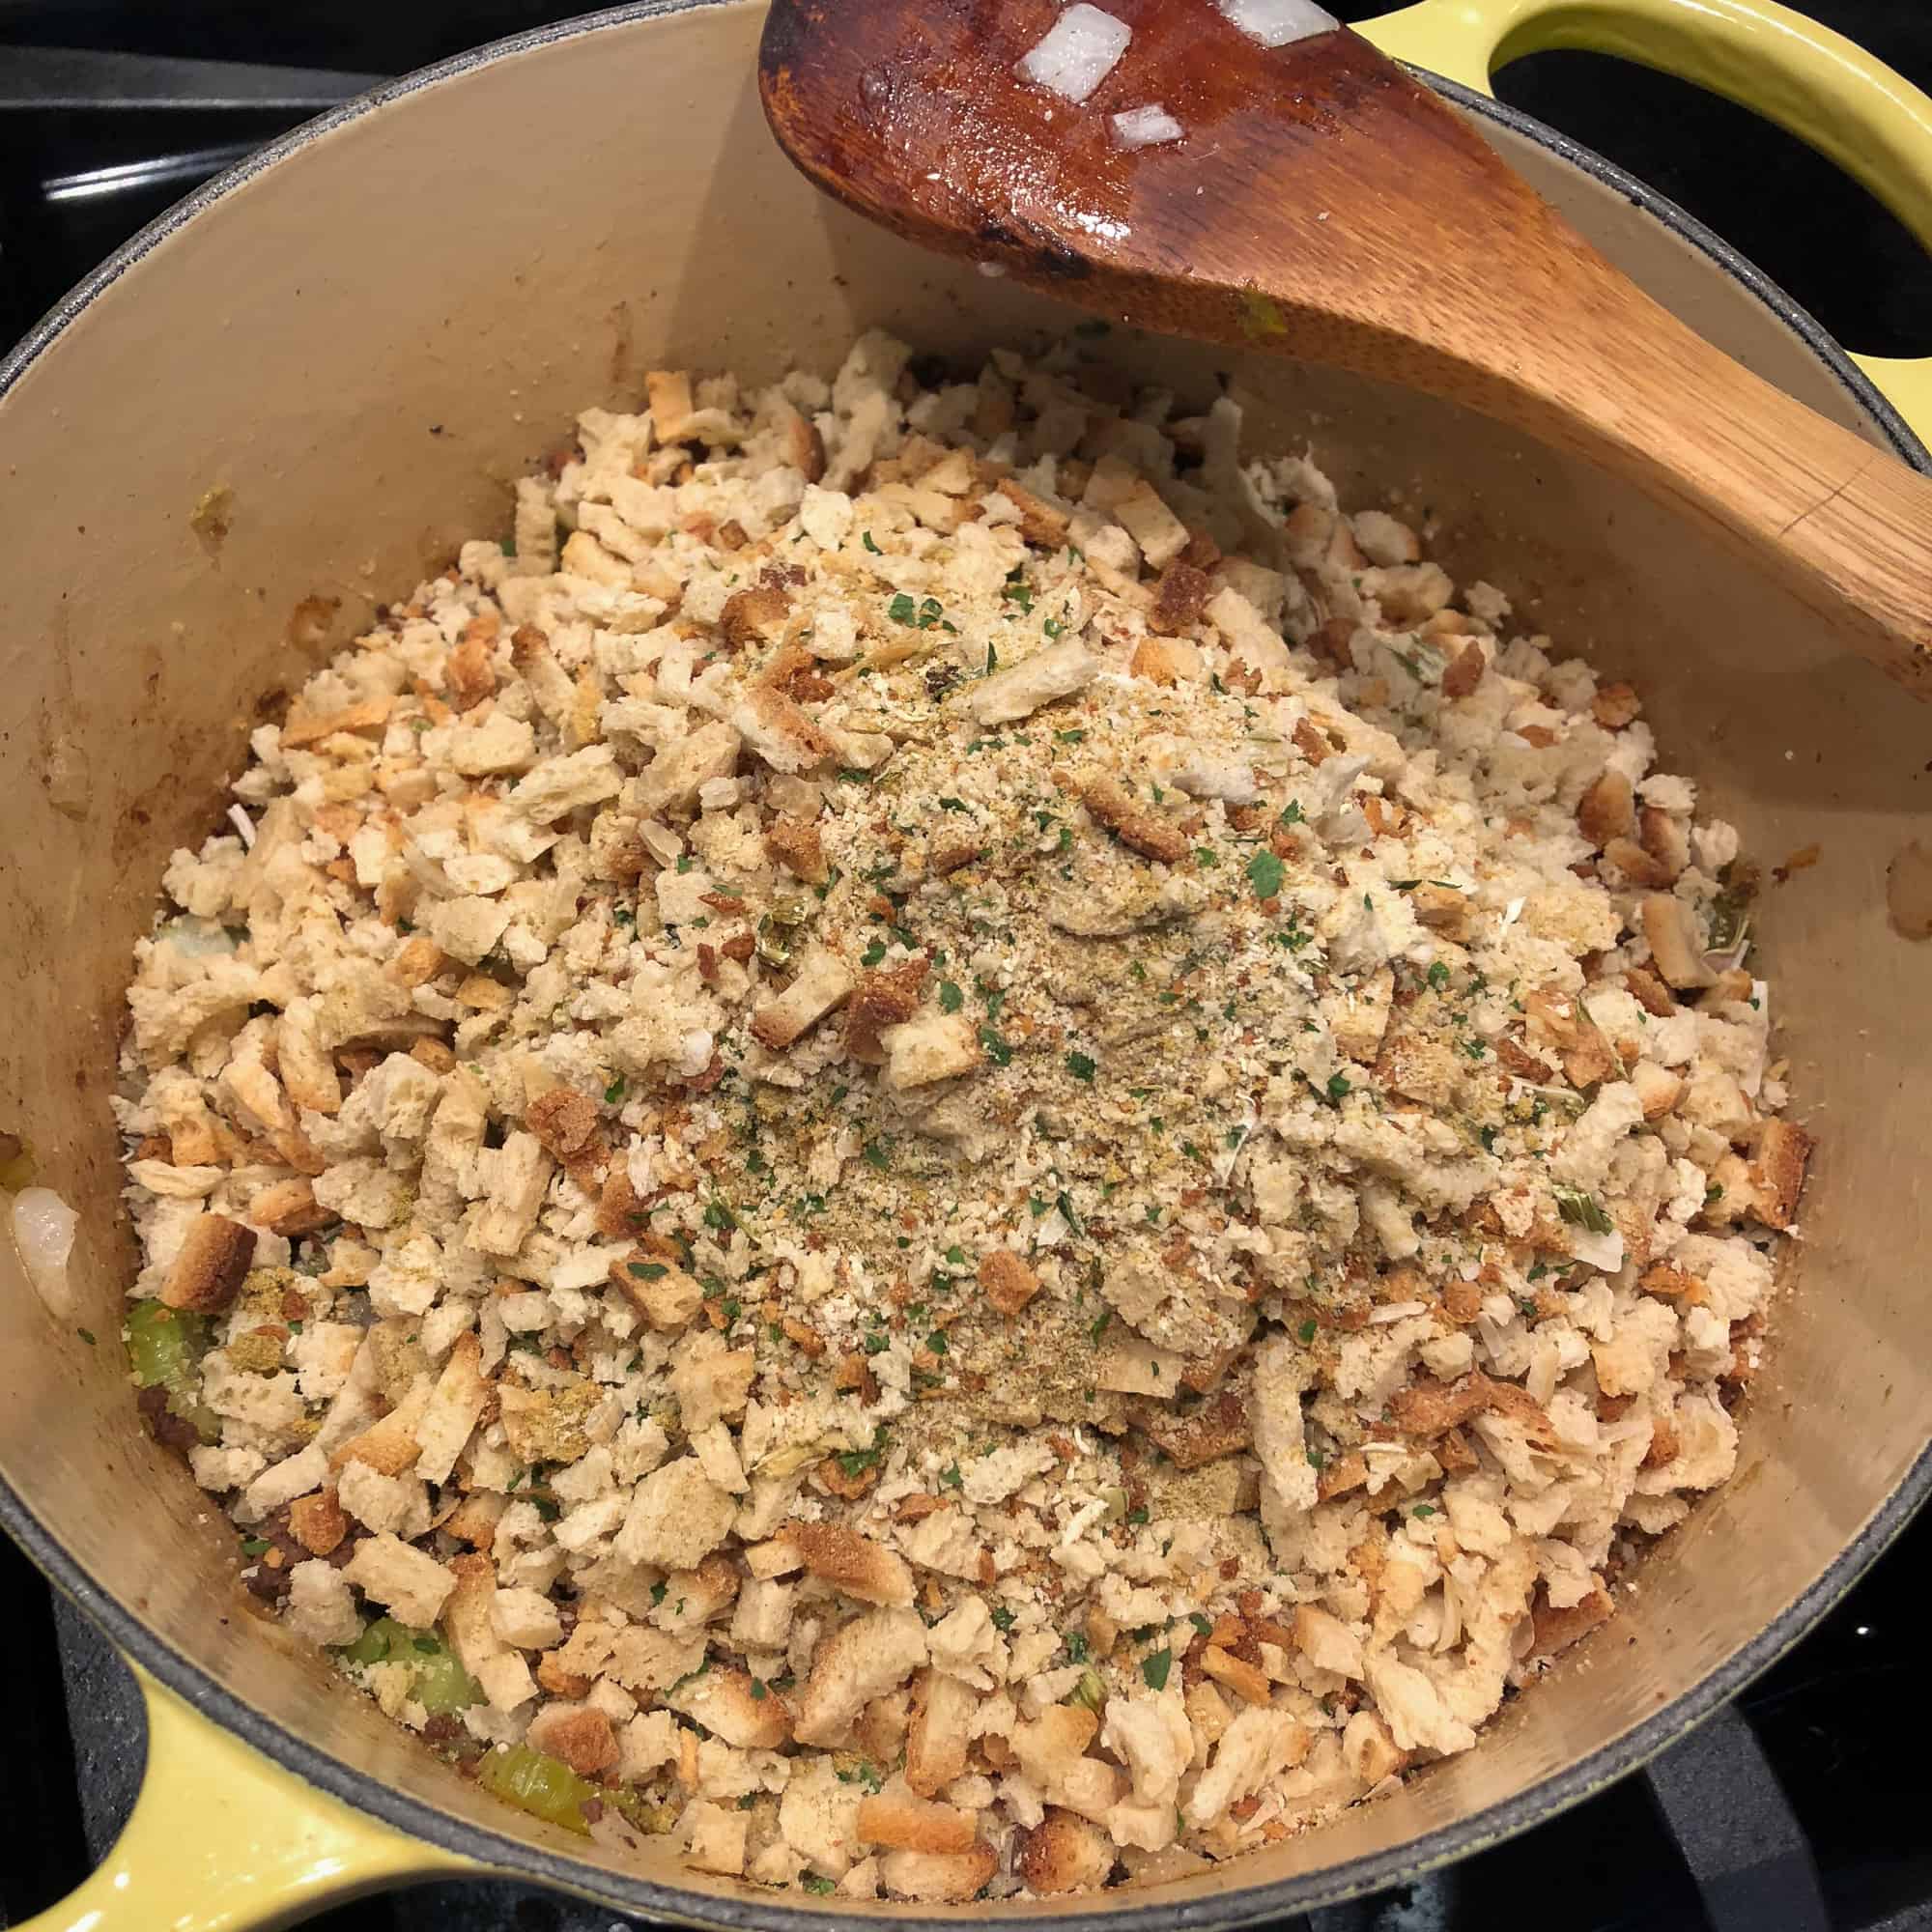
x=223 y=1839
x=1813 y=83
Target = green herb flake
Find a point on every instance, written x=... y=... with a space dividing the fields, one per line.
x=1080 y=1067
x=856 y=1461
x=1154 y=1669
x=1265 y=874
x=950 y=998
x=1583 y=1209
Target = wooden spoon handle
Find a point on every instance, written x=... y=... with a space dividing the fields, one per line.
x=1845 y=524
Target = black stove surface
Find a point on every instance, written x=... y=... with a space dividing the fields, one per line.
x=1803 y=1807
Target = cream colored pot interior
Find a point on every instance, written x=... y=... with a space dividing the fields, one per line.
x=364 y=343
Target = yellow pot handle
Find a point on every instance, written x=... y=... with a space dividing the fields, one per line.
x=223 y=1839
x=1813 y=83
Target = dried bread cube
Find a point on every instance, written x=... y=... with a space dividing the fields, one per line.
x=820 y=983
x=938 y=1878
x=855 y=1565
x=406 y=1581
x=210 y=1264
x=676 y=1516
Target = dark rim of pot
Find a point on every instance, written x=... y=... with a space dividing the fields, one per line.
x=1239 y=1905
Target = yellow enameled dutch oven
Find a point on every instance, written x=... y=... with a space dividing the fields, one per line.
x=363 y=333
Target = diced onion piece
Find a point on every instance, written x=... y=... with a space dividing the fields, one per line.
x=1396 y=1311
x=197 y=938
x=43 y=1230
x=1274 y=23
x=1146 y=126
x=1080 y=50
x=426 y=872
x=1600 y=1251
x=663 y=843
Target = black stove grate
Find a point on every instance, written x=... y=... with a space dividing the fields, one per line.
x=1801 y=1807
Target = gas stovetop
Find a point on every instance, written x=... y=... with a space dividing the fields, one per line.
x=1799 y=1810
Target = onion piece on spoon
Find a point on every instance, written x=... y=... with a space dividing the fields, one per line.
x=1080 y=50
x=1276 y=23
x=1146 y=126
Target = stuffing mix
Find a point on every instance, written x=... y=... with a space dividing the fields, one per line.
x=949 y=1143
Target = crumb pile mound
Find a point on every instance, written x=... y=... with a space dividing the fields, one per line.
x=948 y=1143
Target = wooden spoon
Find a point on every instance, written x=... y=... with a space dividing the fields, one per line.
x=1323 y=203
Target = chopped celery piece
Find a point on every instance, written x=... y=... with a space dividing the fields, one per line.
x=164 y=1350
x=165 y=1345
x=441 y=1684
x=1091 y=1692
x=373 y=1645
x=546 y=1787
x=1583 y=1209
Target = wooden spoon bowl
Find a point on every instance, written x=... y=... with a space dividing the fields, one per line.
x=1322 y=202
